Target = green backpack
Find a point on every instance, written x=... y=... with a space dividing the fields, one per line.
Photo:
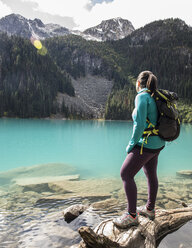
x=168 y=123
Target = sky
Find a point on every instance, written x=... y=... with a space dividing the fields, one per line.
x=82 y=14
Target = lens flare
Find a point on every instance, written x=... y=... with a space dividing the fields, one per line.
x=42 y=51
x=37 y=44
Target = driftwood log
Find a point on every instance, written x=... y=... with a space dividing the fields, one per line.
x=147 y=234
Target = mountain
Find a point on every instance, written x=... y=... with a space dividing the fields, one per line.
x=162 y=31
x=15 y=24
x=164 y=47
x=112 y=29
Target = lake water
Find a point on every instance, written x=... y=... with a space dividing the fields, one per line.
x=36 y=149
x=96 y=148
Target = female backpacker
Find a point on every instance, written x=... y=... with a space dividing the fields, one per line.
x=141 y=152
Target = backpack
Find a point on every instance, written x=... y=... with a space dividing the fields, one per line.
x=168 y=122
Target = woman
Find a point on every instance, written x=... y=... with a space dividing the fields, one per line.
x=141 y=152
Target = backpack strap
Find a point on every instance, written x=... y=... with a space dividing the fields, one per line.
x=150 y=130
x=163 y=96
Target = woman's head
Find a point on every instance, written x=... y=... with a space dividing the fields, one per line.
x=146 y=79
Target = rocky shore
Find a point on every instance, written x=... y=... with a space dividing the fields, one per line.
x=33 y=203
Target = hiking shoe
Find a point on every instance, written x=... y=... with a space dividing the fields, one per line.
x=126 y=220
x=142 y=210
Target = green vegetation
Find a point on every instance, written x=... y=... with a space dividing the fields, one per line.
x=185 y=110
x=29 y=82
x=120 y=104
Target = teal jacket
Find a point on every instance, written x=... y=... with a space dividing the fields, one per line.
x=145 y=107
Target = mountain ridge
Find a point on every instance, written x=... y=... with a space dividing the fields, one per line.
x=16 y=24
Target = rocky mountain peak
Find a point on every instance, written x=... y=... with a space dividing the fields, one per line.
x=39 y=22
x=14 y=16
x=11 y=19
x=16 y=24
x=112 y=29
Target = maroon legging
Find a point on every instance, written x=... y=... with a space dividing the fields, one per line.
x=131 y=165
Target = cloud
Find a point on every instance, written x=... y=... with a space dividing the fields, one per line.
x=4 y=10
x=87 y=13
x=62 y=8
x=139 y=12
x=82 y=14
x=29 y=9
x=92 y=3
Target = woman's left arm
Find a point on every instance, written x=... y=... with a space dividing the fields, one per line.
x=139 y=120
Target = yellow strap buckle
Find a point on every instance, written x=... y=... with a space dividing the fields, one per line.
x=145 y=139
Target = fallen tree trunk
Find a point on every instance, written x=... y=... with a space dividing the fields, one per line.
x=147 y=234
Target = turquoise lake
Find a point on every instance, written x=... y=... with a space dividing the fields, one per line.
x=95 y=148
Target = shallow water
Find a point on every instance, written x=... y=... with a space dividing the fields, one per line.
x=33 y=217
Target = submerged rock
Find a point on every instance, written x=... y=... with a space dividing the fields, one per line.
x=39 y=188
x=91 y=188
x=172 y=204
x=105 y=204
x=185 y=173
x=4 y=181
x=39 y=171
x=23 y=181
x=171 y=195
x=109 y=207
x=43 y=184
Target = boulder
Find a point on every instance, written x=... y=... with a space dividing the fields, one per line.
x=73 y=212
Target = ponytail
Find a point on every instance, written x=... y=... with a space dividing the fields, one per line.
x=149 y=80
